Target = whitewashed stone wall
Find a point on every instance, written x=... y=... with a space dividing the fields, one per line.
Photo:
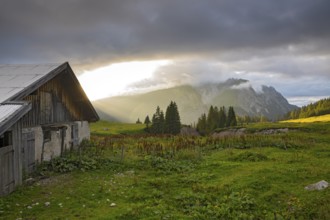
x=52 y=148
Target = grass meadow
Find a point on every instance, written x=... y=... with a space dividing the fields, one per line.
x=124 y=173
x=322 y=118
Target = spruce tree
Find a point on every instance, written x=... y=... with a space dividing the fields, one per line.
x=222 y=117
x=172 y=119
x=147 y=122
x=231 y=118
x=157 y=126
x=212 y=119
x=161 y=123
x=202 y=124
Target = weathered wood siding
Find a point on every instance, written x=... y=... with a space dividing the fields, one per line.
x=28 y=150
x=10 y=162
x=54 y=102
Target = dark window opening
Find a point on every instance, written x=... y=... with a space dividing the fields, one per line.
x=6 y=139
x=47 y=135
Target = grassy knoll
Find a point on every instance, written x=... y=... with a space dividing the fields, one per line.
x=114 y=128
x=322 y=118
x=141 y=177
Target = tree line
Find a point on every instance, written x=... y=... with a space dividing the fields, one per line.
x=321 y=107
x=168 y=123
x=216 y=118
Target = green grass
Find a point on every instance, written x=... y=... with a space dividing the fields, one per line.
x=322 y=118
x=199 y=178
x=115 y=128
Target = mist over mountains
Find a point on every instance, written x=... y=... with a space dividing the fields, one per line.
x=192 y=101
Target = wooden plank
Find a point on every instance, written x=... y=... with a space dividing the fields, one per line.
x=28 y=142
x=7 y=170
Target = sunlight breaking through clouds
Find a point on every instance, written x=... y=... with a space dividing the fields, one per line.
x=115 y=79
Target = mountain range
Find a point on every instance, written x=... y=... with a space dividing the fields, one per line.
x=192 y=101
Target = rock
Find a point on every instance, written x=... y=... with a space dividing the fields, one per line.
x=189 y=131
x=29 y=181
x=230 y=133
x=317 y=186
x=274 y=131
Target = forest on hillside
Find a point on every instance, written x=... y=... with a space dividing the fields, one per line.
x=318 y=108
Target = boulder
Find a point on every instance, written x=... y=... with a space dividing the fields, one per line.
x=189 y=131
x=229 y=133
x=317 y=186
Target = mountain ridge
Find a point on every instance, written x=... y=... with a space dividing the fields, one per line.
x=192 y=101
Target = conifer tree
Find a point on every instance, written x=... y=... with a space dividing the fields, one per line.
x=202 y=124
x=212 y=117
x=231 y=118
x=157 y=126
x=172 y=119
x=161 y=123
x=147 y=122
x=138 y=121
x=222 y=117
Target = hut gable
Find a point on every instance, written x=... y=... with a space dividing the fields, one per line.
x=43 y=112
x=53 y=91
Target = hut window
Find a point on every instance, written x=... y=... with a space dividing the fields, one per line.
x=47 y=135
x=6 y=139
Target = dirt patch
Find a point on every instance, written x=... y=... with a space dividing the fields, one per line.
x=53 y=180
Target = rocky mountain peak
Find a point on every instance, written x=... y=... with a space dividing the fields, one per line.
x=195 y=100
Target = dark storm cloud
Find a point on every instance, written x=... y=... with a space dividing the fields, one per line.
x=103 y=31
x=284 y=43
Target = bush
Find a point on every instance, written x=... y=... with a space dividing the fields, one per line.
x=87 y=157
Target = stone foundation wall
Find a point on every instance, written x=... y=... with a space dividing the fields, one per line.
x=52 y=147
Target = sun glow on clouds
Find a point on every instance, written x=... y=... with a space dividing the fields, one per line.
x=116 y=78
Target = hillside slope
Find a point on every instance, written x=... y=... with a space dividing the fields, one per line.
x=195 y=100
x=322 y=118
x=321 y=107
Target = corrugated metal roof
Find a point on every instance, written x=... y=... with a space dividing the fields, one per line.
x=15 y=78
x=8 y=110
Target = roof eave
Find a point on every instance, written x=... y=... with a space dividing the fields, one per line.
x=76 y=81
x=16 y=116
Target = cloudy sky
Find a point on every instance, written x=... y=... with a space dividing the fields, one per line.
x=155 y=43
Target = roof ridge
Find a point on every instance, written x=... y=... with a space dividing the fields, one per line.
x=29 y=64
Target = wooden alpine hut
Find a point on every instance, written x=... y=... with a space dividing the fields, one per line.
x=43 y=112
